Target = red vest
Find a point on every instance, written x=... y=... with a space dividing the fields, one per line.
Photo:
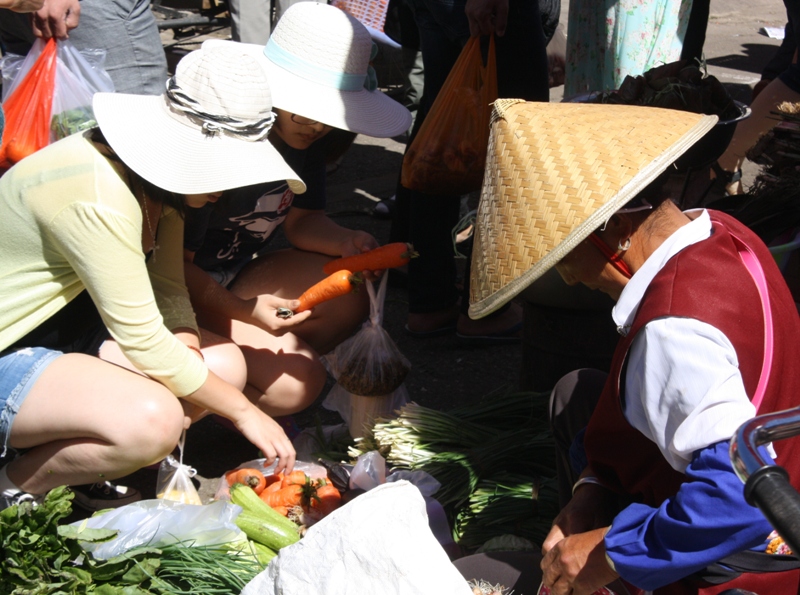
x=706 y=281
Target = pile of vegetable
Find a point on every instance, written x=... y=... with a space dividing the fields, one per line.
x=680 y=85
x=495 y=461
x=43 y=557
x=295 y=496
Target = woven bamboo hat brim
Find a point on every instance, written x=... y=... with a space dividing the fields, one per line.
x=555 y=172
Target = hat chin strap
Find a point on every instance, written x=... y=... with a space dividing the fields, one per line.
x=615 y=259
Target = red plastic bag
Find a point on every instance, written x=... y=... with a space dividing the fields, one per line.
x=29 y=107
x=448 y=154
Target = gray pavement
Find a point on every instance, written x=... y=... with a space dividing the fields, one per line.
x=443 y=373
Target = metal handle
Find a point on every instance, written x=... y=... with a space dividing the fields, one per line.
x=766 y=484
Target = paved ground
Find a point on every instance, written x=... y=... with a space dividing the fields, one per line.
x=443 y=374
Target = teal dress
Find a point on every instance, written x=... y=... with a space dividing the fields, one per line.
x=608 y=40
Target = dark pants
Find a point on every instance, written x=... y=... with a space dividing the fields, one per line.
x=427 y=220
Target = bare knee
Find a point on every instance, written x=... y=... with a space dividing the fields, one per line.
x=295 y=389
x=227 y=361
x=155 y=427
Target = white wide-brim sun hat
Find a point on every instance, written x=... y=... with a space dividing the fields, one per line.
x=208 y=131
x=318 y=61
x=555 y=172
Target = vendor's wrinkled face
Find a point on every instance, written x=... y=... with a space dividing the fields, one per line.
x=196 y=201
x=586 y=264
x=296 y=131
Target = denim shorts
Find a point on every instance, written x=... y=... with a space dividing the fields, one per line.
x=19 y=371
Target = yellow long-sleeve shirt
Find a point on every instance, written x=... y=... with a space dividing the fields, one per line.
x=68 y=222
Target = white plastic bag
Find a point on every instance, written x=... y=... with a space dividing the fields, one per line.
x=161 y=522
x=77 y=80
x=174 y=480
x=380 y=542
x=79 y=75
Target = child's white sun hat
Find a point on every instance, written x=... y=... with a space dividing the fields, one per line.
x=318 y=60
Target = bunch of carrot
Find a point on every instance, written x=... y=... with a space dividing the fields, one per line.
x=285 y=492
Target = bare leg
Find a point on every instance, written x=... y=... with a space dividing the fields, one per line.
x=287 y=274
x=86 y=420
x=284 y=375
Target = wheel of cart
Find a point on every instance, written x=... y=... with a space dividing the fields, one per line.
x=189 y=19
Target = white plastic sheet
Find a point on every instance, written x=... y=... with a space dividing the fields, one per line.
x=378 y=543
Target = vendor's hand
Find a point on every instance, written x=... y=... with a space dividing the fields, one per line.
x=266 y=314
x=56 y=19
x=591 y=507
x=487 y=16
x=356 y=243
x=577 y=564
x=268 y=436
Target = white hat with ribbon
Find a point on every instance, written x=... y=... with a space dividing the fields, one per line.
x=206 y=133
x=318 y=60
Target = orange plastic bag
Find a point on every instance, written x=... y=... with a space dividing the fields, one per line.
x=29 y=107
x=449 y=152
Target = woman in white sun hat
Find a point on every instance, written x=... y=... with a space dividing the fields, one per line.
x=318 y=63
x=708 y=332
x=91 y=231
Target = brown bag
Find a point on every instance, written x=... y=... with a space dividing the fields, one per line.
x=449 y=152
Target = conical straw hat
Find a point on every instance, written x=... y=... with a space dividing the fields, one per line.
x=555 y=172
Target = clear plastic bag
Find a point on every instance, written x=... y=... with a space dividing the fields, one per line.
x=369 y=363
x=77 y=80
x=313 y=470
x=47 y=95
x=174 y=480
x=161 y=522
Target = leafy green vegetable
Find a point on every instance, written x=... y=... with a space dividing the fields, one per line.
x=72 y=120
x=45 y=558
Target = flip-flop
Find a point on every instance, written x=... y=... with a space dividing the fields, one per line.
x=504 y=337
x=437 y=332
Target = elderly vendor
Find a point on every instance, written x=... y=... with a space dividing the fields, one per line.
x=708 y=340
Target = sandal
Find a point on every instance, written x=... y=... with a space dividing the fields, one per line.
x=724 y=179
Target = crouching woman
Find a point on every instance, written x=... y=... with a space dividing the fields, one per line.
x=101 y=361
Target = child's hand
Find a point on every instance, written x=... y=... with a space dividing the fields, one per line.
x=276 y=315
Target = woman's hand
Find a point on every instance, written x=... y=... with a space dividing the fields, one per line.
x=592 y=506
x=577 y=564
x=267 y=310
x=266 y=434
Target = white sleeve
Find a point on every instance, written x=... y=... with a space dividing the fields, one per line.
x=683 y=388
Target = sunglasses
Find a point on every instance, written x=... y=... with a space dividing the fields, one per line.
x=303 y=121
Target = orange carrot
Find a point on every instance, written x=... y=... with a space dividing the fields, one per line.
x=288 y=496
x=384 y=257
x=274 y=482
x=295 y=478
x=327 y=498
x=339 y=283
x=249 y=477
